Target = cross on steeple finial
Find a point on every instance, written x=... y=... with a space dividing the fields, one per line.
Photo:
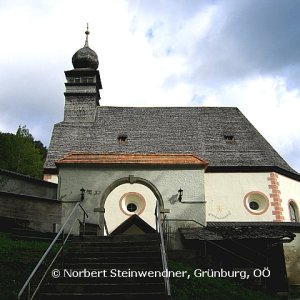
x=87 y=36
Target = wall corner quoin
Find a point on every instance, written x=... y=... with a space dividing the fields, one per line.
x=275 y=196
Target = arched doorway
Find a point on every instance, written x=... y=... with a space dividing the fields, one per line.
x=127 y=197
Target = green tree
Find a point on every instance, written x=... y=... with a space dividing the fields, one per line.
x=21 y=153
x=24 y=132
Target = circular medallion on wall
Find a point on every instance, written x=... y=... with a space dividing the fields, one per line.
x=132 y=203
x=256 y=203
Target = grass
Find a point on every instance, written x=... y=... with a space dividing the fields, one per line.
x=17 y=260
x=210 y=288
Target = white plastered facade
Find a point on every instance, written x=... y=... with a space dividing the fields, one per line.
x=116 y=212
x=225 y=196
x=290 y=192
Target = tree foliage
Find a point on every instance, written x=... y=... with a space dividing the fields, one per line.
x=21 y=153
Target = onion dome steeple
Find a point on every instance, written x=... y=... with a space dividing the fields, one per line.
x=85 y=57
x=83 y=86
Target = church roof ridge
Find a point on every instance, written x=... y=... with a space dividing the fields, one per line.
x=170 y=107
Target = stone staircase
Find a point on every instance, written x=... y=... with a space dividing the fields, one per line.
x=114 y=260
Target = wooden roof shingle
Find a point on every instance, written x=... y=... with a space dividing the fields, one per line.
x=222 y=136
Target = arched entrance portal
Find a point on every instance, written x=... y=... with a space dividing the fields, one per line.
x=127 y=197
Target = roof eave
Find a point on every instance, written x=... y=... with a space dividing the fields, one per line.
x=74 y=158
x=254 y=169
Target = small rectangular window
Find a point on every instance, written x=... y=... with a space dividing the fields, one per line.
x=229 y=138
x=123 y=139
x=87 y=79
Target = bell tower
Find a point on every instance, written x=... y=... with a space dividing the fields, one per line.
x=82 y=86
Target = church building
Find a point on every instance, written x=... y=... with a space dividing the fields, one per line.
x=207 y=169
x=222 y=167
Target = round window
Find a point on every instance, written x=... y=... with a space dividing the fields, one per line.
x=131 y=207
x=132 y=203
x=256 y=203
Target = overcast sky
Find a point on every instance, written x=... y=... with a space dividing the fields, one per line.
x=243 y=53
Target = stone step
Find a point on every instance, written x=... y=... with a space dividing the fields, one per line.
x=155 y=265
x=104 y=255
x=112 y=259
x=103 y=296
x=113 y=288
x=99 y=278
x=121 y=237
x=114 y=243
x=112 y=248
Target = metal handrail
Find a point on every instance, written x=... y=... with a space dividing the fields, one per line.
x=162 y=249
x=64 y=240
x=166 y=231
x=105 y=227
x=186 y=220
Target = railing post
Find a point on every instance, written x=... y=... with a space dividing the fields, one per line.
x=83 y=223
x=162 y=248
x=105 y=227
x=62 y=249
x=28 y=292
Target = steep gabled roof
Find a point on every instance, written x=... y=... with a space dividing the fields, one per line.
x=222 y=136
x=136 y=221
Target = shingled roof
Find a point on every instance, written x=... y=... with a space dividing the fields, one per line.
x=242 y=230
x=222 y=136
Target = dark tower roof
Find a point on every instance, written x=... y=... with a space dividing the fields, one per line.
x=85 y=57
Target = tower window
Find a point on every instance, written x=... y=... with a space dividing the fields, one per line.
x=87 y=79
x=81 y=80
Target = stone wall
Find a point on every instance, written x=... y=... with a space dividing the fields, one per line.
x=40 y=214
x=24 y=185
x=29 y=200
